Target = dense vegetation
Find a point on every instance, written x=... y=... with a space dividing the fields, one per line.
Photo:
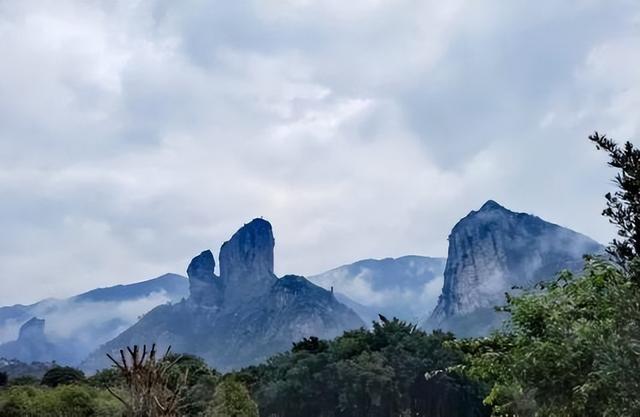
x=378 y=372
x=365 y=374
x=64 y=400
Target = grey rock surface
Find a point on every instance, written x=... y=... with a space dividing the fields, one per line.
x=491 y=251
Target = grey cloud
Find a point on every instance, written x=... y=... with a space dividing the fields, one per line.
x=134 y=135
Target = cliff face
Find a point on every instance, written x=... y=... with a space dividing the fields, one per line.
x=491 y=251
x=246 y=262
x=205 y=287
x=243 y=316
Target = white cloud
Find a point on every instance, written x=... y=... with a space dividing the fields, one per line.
x=133 y=135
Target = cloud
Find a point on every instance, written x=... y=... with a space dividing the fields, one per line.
x=133 y=135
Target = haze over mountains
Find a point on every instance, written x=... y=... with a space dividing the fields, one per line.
x=247 y=313
x=83 y=322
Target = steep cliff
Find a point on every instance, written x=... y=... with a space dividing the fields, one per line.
x=491 y=251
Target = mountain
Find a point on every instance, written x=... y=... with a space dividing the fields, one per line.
x=82 y=323
x=241 y=317
x=32 y=345
x=405 y=287
x=492 y=250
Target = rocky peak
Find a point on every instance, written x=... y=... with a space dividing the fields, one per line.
x=491 y=205
x=246 y=262
x=204 y=286
x=32 y=330
x=202 y=267
x=493 y=249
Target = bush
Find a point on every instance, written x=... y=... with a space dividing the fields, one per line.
x=232 y=399
x=24 y=380
x=62 y=375
x=64 y=400
x=569 y=351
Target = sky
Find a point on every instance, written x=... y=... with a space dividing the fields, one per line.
x=134 y=134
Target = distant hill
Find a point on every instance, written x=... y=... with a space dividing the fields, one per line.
x=15 y=368
x=78 y=325
x=175 y=286
x=491 y=251
x=405 y=287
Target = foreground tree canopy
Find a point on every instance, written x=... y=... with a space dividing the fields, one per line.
x=365 y=374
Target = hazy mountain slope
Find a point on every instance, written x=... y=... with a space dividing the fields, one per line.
x=83 y=322
x=32 y=345
x=490 y=251
x=405 y=287
x=243 y=316
x=175 y=286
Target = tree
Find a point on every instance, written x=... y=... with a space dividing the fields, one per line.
x=199 y=386
x=109 y=377
x=570 y=350
x=148 y=387
x=372 y=373
x=232 y=399
x=4 y=379
x=24 y=380
x=623 y=206
x=61 y=375
x=311 y=344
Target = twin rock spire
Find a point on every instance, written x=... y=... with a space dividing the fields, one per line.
x=246 y=268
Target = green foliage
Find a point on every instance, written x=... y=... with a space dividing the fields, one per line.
x=200 y=383
x=232 y=399
x=572 y=350
x=623 y=207
x=376 y=373
x=311 y=345
x=24 y=380
x=109 y=377
x=64 y=400
x=62 y=375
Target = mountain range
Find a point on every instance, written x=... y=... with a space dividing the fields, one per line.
x=246 y=314
x=243 y=316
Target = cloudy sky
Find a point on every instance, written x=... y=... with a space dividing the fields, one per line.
x=134 y=134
